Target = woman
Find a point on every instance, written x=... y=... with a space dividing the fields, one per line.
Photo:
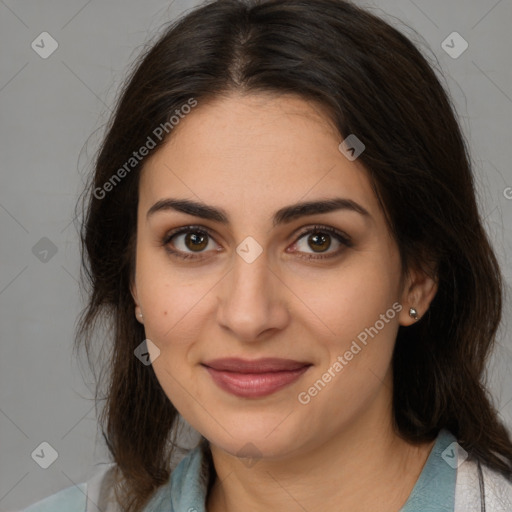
x=283 y=234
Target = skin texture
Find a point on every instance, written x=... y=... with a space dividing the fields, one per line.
x=252 y=155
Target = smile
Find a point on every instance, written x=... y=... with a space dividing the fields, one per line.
x=255 y=379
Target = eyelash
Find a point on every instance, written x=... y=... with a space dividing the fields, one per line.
x=338 y=235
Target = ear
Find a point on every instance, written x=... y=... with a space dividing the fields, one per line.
x=418 y=292
x=138 y=311
x=133 y=291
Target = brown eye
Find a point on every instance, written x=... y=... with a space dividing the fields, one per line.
x=195 y=241
x=319 y=242
x=184 y=242
x=319 y=239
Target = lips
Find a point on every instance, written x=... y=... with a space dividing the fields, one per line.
x=257 y=366
x=256 y=378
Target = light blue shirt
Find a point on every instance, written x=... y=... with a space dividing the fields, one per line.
x=186 y=490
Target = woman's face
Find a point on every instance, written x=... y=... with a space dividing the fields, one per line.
x=319 y=291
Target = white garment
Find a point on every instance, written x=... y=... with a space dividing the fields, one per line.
x=496 y=489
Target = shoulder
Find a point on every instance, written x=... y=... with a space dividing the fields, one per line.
x=83 y=497
x=470 y=494
x=187 y=483
x=71 y=499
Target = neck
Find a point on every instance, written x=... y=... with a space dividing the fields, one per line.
x=365 y=466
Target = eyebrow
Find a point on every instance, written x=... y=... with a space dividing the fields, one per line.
x=281 y=216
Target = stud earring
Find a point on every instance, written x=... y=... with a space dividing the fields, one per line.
x=413 y=314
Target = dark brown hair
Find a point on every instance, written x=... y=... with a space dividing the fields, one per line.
x=373 y=82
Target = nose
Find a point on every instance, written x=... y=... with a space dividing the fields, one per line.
x=252 y=300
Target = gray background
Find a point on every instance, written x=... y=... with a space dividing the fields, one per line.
x=52 y=112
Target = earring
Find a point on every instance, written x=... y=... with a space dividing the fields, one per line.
x=413 y=314
x=140 y=316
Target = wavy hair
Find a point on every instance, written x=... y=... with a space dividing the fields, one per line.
x=372 y=81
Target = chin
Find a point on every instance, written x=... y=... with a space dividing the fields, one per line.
x=266 y=436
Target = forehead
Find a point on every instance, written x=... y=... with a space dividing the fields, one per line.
x=255 y=153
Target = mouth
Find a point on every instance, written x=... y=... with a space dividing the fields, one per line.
x=256 y=378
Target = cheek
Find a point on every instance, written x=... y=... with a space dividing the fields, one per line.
x=172 y=322
x=171 y=313
x=357 y=366
x=169 y=299
x=345 y=301
x=358 y=308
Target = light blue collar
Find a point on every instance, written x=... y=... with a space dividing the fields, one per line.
x=434 y=490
